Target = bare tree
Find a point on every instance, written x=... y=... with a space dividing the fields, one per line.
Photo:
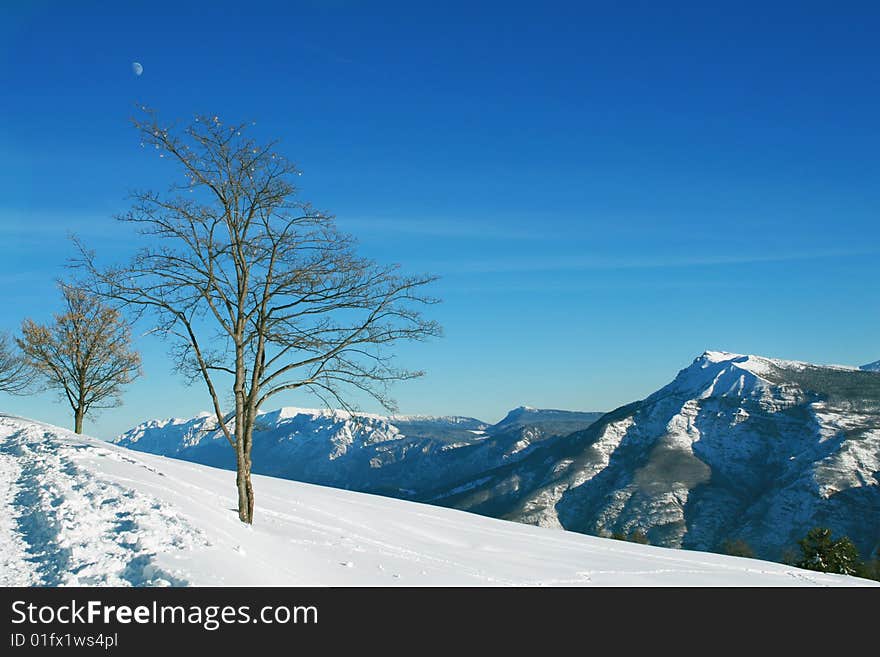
x=15 y=374
x=259 y=292
x=86 y=353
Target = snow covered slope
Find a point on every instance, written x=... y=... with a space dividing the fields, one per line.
x=736 y=447
x=400 y=456
x=79 y=511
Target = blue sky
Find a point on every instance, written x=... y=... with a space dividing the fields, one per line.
x=605 y=190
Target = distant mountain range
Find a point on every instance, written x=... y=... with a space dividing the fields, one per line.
x=404 y=456
x=735 y=447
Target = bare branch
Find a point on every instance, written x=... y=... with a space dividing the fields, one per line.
x=250 y=283
x=85 y=354
x=16 y=377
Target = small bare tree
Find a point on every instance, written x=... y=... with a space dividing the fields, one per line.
x=86 y=353
x=258 y=291
x=15 y=374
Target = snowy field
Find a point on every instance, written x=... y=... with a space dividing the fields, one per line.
x=80 y=511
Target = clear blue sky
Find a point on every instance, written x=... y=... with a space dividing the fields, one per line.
x=607 y=189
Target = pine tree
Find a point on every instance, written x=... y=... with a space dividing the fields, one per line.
x=821 y=552
x=871 y=569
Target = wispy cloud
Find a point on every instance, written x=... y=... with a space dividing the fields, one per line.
x=444 y=229
x=27 y=230
x=23 y=222
x=525 y=264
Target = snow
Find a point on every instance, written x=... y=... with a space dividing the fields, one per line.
x=449 y=419
x=735 y=445
x=336 y=414
x=79 y=511
x=13 y=548
x=760 y=364
x=727 y=374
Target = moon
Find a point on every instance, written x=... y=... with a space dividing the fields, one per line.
x=137 y=68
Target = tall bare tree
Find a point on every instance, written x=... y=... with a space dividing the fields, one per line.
x=15 y=374
x=85 y=353
x=260 y=293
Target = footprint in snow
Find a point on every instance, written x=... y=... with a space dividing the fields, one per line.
x=240 y=550
x=347 y=564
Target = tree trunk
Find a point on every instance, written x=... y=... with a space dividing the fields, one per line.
x=243 y=427
x=243 y=475
x=78 y=420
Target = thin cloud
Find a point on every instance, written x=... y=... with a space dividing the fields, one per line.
x=44 y=222
x=26 y=230
x=443 y=229
x=524 y=264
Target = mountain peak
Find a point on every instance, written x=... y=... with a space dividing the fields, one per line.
x=759 y=365
x=725 y=373
x=719 y=356
x=871 y=367
x=517 y=413
x=719 y=373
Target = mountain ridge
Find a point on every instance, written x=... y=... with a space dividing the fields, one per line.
x=402 y=456
x=735 y=446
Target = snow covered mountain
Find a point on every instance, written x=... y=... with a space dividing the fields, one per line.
x=871 y=367
x=401 y=456
x=79 y=511
x=736 y=447
x=540 y=423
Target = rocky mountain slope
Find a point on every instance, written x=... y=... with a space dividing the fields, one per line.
x=736 y=447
